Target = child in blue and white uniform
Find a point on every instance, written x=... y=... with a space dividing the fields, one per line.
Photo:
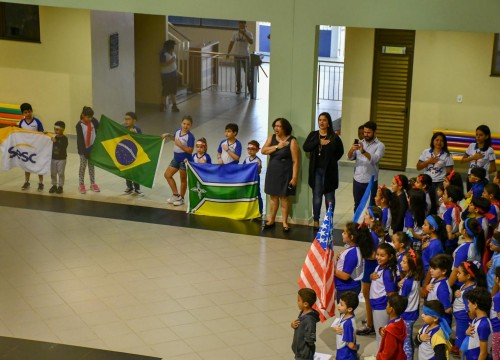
x=253 y=148
x=400 y=242
x=477 y=342
x=438 y=288
x=470 y=276
x=435 y=231
x=201 y=156
x=494 y=262
x=414 y=218
x=345 y=326
x=409 y=287
x=383 y=285
x=495 y=317
x=229 y=151
x=183 y=148
x=29 y=122
x=349 y=266
x=451 y=216
x=433 y=338
x=469 y=250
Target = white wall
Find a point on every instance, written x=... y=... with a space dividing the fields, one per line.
x=113 y=90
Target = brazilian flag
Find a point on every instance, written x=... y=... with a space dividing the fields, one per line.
x=229 y=191
x=129 y=155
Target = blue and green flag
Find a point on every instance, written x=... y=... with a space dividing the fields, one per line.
x=126 y=154
x=229 y=191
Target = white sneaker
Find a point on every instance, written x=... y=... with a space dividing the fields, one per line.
x=173 y=199
x=179 y=202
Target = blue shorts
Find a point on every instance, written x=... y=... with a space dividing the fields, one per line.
x=368 y=269
x=179 y=165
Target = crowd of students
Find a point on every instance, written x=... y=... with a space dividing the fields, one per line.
x=444 y=254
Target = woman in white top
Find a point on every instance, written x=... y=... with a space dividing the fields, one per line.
x=480 y=153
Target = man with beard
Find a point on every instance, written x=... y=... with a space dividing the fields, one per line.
x=367 y=154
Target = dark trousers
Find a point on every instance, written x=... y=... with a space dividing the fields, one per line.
x=318 y=193
x=358 y=190
x=133 y=185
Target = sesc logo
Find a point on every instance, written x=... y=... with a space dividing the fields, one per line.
x=22 y=155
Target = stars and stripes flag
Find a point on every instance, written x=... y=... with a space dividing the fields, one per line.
x=317 y=271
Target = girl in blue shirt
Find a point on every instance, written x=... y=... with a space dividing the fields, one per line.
x=409 y=287
x=438 y=288
x=435 y=231
x=470 y=275
x=349 y=266
x=383 y=285
x=469 y=250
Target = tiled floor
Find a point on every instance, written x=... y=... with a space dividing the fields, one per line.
x=148 y=288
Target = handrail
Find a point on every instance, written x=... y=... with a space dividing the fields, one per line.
x=170 y=25
x=330 y=62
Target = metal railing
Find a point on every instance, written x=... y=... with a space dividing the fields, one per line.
x=219 y=72
x=181 y=53
x=330 y=80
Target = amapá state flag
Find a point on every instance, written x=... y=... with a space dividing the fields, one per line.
x=229 y=191
x=126 y=154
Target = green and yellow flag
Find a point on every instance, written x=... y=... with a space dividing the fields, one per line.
x=129 y=155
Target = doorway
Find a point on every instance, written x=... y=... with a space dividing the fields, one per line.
x=391 y=93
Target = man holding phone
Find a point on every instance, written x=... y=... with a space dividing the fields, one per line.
x=240 y=41
x=367 y=154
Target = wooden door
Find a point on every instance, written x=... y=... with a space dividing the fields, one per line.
x=391 y=93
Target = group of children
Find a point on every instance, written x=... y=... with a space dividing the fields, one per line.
x=411 y=251
x=229 y=152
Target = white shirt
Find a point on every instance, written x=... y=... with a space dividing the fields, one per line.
x=489 y=155
x=436 y=171
x=364 y=168
x=166 y=69
x=241 y=47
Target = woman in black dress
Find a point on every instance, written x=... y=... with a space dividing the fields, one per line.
x=282 y=170
x=326 y=149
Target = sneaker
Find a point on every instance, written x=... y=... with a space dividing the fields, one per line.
x=40 y=187
x=365 y=330
x=82 y=189
x=173 y=199
x=454 y=350
x=179 y=202
x=95 y=188
x=238 y=91
x=138 y=192
x=128 y=190
x=25 y=186
x=59 y=190
x=53 y=189
x=175 y=108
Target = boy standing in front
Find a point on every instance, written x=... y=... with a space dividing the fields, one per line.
x=59 y=155
x=29 y=122
x=229 y=150
x=345 y=326
x=304 y=335
x=130 y=124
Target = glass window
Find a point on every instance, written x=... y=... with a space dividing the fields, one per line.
x=495 y=64
x=19 y=22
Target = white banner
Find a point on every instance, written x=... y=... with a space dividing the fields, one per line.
x=29 y=150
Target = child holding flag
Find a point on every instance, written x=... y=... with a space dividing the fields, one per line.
x=130 y=124
x=29 y=122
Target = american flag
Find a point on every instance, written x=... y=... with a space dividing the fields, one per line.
x=317 y=271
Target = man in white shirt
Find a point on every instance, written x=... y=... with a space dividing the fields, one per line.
x=367 y=154
x=241 y=41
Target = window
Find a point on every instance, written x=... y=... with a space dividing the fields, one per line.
x=201 y=22
x=19 y=22
x=495 y=64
